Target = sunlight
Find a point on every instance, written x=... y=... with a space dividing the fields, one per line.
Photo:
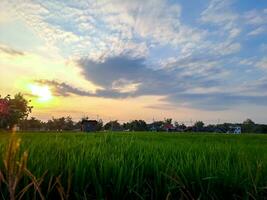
x=42 y=92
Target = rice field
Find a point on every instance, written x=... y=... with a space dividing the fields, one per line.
x=141 y=166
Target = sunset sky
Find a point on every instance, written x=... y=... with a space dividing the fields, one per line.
x=182 y=59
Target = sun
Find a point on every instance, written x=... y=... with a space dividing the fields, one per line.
x=41 y=91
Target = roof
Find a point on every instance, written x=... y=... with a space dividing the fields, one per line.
x=168 y=126
x=89 y=121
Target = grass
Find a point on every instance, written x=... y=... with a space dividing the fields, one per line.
x=143 y=165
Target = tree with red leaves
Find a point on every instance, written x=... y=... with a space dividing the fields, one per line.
x=12 y=110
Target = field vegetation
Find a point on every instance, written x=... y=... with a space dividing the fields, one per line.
x=137 y=166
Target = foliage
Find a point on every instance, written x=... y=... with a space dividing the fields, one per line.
x=112 y=125
x=18 y=109
x=14 y=171
x=147 y=166
x=199 y=125
x=167 y=121
x=59 y=124
x=31 y=124
x=136 y=125
x=99 y=125
x=248 y=126
x=156 y=125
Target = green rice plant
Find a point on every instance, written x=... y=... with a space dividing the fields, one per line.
x=14 y=166
x=145 y=165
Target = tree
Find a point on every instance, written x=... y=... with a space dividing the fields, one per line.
x=59 y=124
x=31 y=124
x=136 y=125
x=199 y=125
x=176 y=124
x=99 y=125
x=179 y=126
x=69 y=124
x=168 y=121
x=17 y=109
x=112 y=125
x=248 y=122
x=248 y=126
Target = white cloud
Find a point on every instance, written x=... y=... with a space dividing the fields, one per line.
x=257 y=31
x=234 y=32
x=256 y=17
x=89 y=28
x=125 y=86
x=219 y=13
x=262 y=63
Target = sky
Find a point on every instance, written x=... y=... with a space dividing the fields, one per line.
x=122 y=59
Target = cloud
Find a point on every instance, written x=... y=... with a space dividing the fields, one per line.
x=10 y=51
x=174 y=84
x=135 y=48
x=63 y=89
x=124 y=86
x=256 y=17
x=219 y=13
x=110 y=28
x=262 y=63
x=217 y=101
x=124 y=76
x=257 y=31
x=162 y=106
x=112 y=70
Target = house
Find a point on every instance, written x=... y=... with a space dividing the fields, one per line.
x=168 y=127
x=234 y=130
x=88 y=125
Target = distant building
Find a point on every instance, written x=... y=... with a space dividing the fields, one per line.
x=88 y=125
x=168 y=127
x=234 y=130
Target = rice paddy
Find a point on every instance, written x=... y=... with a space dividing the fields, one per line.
x=142 y=165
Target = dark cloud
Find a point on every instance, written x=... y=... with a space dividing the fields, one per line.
x=216 y=101
x=11 y=51
x=152 y=82
x=63 y=89
x=172 y=83
x=162 y=106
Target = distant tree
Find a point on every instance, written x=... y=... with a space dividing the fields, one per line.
x=199 y=125
x=31 y=124
x=59 y=124
x=17 y=109
x=249 y=122
x=168 y=121
x=248 y=126
x=99 y=125
x=68 y=124
x=182 y=126
x=156 y=125
x=260 y=128
x=112 y=125
x=176 y=124
x=136 y=125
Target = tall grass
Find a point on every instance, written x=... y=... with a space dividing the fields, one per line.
x=145 y=165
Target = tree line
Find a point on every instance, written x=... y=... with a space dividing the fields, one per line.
x=15 y=111
x=67 y=124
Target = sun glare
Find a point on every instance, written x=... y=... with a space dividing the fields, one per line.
x=42 y=92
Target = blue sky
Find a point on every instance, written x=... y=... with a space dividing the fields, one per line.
x=207 y=56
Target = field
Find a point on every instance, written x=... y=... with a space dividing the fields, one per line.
x=143 y=166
